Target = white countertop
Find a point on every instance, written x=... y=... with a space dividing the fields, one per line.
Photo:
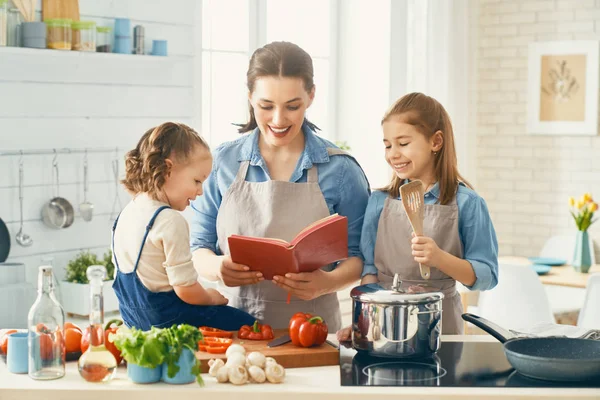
x=300 y=383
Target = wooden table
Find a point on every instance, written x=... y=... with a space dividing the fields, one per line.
x=564 y=275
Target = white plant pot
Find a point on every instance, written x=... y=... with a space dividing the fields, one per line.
x=76 y=297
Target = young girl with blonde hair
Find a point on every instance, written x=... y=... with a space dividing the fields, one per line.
x=156 y=282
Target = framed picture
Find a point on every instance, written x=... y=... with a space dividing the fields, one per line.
x=562 y=89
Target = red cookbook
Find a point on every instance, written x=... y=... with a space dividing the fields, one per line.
x=321 y=243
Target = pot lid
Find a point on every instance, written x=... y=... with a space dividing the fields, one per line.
x=396 y=292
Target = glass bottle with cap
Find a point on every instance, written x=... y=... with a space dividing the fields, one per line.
x=97 y=364
x=46 y=321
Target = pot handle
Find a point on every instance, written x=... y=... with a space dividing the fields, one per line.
x=496 y=331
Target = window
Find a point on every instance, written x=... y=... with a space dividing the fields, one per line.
x=233 y=29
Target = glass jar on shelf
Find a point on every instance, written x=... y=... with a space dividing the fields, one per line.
x=14 y=21
x=84 y=35
x=104 y=39
x=3 y=22
x=46 y=321
x=59 y=34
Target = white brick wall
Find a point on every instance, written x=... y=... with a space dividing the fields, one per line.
x=525 y=179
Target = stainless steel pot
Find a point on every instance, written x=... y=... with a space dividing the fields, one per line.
x=392 y=320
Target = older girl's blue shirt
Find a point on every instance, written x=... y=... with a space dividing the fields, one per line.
x=342 y=181
x=477 y=234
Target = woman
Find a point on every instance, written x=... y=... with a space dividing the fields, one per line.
x=274 y=182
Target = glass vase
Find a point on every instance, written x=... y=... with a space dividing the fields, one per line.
x=582 y=256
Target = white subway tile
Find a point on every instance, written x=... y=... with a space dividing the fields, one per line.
x=500 y=30
x=541 y=5
x=518 y=18
x=499 y=52
x=531 y=29
x=521 y=40
x=583 y=14
x=563 y=15
x=497 y=162
x=575 y=5
x=517 y=153
x=506 y=141
x=503 y=7
x=575 y=27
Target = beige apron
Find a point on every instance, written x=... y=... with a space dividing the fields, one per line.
x=275 y=209
x=393 y=253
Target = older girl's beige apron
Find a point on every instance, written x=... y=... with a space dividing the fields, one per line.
x=275 y=209
x=393 y=253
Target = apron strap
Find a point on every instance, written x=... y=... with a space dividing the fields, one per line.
x=242 y=171
x=312 y=175
x=148 y=227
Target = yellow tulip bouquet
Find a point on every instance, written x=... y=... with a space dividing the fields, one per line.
x=583 y=210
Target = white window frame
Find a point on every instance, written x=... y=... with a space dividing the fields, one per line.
x=257 y=38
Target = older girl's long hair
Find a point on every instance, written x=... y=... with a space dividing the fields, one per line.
x=429 y=116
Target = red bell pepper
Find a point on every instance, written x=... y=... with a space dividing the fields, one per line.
x=306 y=330
x=256 y=332
x=111 y=327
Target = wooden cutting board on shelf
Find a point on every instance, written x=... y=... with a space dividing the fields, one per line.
x=68 y=9
x=288 y=355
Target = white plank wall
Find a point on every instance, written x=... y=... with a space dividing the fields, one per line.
x=59 y=99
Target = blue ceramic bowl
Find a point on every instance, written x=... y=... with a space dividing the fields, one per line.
x=553 y=262
x=142 y=374
x=186 y=361
x=541 y=269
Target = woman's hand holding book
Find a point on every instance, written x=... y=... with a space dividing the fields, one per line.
x=233 y=274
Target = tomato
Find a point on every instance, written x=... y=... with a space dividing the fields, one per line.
x=4 y=340
x=47 y=342
x=207 y=331
x=70 y=325
x=306 y=330
x=72 y=340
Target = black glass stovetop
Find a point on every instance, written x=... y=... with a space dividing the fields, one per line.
x=458 y=364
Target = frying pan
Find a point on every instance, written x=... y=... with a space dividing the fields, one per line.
x=549 y=358
x=4 y=241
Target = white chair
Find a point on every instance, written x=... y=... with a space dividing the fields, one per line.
x=563 y=246
x=589 y=316
x=519 y=300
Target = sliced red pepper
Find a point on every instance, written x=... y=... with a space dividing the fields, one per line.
x=216 y=350
x=214 y=345
x=207 y=331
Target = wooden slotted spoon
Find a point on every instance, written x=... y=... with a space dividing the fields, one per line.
x=413 y=200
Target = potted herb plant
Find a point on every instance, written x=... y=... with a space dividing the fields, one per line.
x=75 y=289
x=167 y=354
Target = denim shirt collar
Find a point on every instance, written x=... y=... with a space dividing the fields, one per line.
x=315 y=150
x=434 y=191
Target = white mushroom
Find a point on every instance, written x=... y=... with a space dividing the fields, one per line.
x=275 y=373
x=215 y=365
x=257 y=374
x=270 y=361
x=236 y=359
x=238 y=375
x=256 y=358
x=235 y=348
x=223 y=374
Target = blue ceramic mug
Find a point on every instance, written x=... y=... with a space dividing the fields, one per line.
x=17 y=353
x=159 y=47
x=142 y=374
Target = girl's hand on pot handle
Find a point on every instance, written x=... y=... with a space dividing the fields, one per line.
x=343 y=335
x=425 y=250
x=233 y=274
x=304 y=285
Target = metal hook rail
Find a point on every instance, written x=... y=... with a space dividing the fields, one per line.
x=57 y=151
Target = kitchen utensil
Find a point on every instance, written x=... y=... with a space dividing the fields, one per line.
x=553 y=262
x=58 y=213
x=22 y=238
x=288 y=354
x=86 y=208
x=413 y=200
x=117 y=201
x=4 y=241
x=391 y=321
x=547 y=358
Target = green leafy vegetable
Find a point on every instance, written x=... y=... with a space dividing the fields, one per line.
x=178 y=338
x=159 y=346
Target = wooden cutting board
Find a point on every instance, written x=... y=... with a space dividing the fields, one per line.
x=52 y=9
x=288 y=355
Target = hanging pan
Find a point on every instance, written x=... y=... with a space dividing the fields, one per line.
x=4 y=241
x=58 y=213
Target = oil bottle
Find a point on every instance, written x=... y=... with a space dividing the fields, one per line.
x=97 y=364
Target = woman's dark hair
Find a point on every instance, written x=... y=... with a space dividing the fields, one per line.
x=278 y=59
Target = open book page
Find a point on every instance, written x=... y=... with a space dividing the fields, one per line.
x=275 y=241
x=322 y=246
x=314 y=226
